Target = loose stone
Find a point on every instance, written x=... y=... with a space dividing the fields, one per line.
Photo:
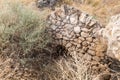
x=81 y=38
x=84 y=44
x=83 y=34
x=68 y=45
x=91 y=52
x=85 y=30
x=77 y=29
x=83 y=18
x=59 y=36
x=92 y=23
x=89 y=39
x=73 y=19
x=96 y=58
x=87 y=57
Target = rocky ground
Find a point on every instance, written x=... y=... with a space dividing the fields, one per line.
x=78 y=32
x=83 y=48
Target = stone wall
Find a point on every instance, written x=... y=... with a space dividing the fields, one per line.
x=75 y=30
x=79 y=34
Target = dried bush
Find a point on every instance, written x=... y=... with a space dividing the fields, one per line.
x=26 y=28
x=22 y=26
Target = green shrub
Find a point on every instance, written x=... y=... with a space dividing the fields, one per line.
x=23 y=26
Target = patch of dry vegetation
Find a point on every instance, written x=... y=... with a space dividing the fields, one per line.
x=100 y=9
x=23 y=52
x=22 y=26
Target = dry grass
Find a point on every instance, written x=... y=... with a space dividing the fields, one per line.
x=22 y=31
x=100 y=9
x=23 y=26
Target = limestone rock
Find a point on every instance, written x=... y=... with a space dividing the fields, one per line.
x=83 y=17
x=89 y=39
x=53 y=16
x=92 y=22
x=59 y=36
x=64 y=42
x=91 y=52
x=96 y=58
x=68 y=45
x=88 y=20
x=78 y=45
x=87 y=57
x=83 y=34
x=84 y=43
x=54 y=27
x=81 y=38
x=85 y=30
x=77 y=29
x=112 y=33
x=74 y=19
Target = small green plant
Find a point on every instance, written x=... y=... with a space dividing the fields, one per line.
x=23 y=26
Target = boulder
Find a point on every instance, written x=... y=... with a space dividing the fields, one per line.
x=111 y=33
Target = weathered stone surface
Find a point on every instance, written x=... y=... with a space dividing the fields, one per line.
x=74 y=19
x=84 y=43
x=58 y=23
x=91 y=52
x=92 y=44
x=89 y=39
x=79 y=41
x=81 y=38
x=83 y=34
x=68 y=45
x=88 y=20
x=87 y=57
x=83 y=17
x=92 y=22
x=92 y=48
x=59 y=36
x=85 y=30
x=84 y=48
x=96 y=58
x=112 y=34
x=53 y=16
x=77 y=29
x=79 y=46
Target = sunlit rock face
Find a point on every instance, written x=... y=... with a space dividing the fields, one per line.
x=112 y=34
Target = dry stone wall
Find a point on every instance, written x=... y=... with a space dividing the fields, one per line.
x=75 y=30
x=84 y=38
